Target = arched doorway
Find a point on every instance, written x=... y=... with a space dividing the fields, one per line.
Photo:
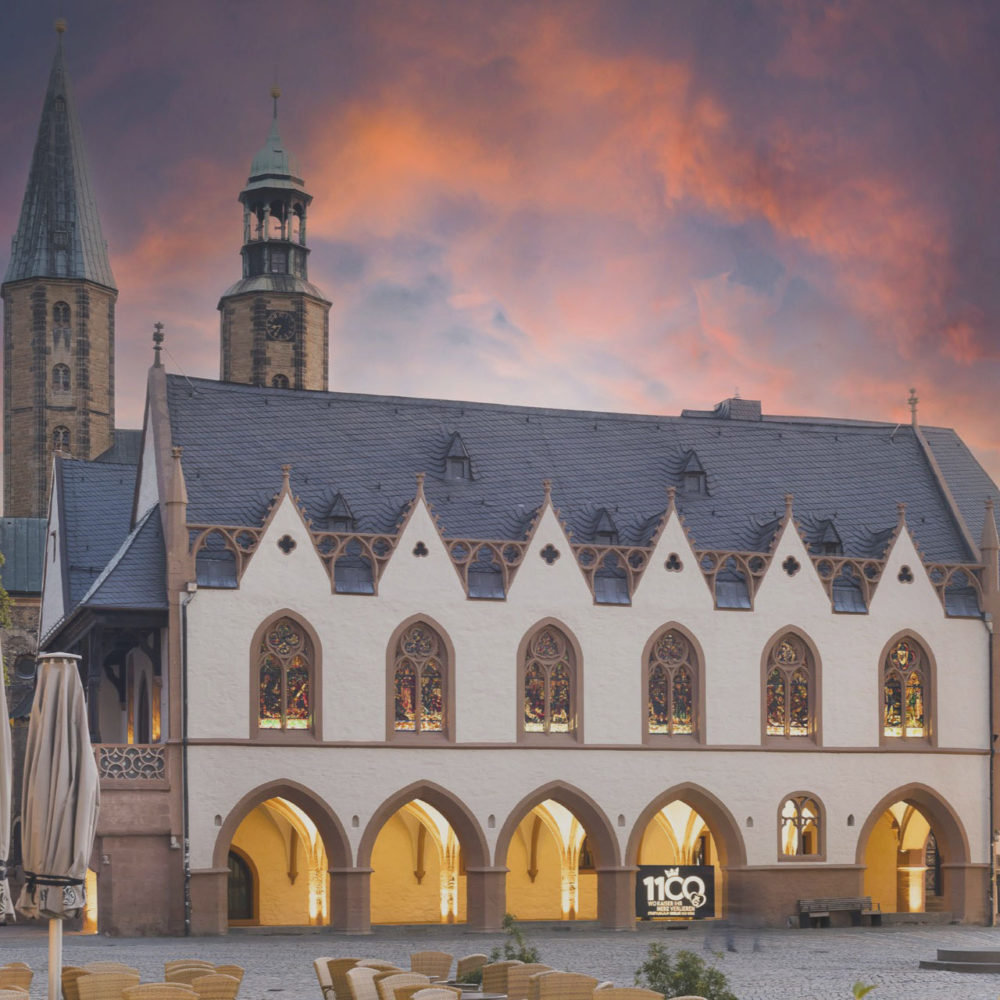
x=418 y=875
x=417 y=845
x=688 y=826
x=288 y=841
x=913 y=849
x=278 y=869
x=551 y=870
x=557 y=845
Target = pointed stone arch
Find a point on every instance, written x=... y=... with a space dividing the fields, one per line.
x=964 y=881
x=725 y=829
x=720 y=821
x=614 y=904
x=331 y=830
x=481 y=903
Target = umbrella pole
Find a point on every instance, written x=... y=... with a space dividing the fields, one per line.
x=55 y=958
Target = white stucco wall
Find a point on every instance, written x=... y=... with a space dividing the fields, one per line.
x=847 y=771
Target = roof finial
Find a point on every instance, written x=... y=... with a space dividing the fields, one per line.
x=671 y=498
x=901 y=510
x=157 y=344
x=275 y=94
x=913 y=406
x=420 y=484
x=789 y=497
x=60 y=25
x=547 y=487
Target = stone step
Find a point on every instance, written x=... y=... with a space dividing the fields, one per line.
x=965 y=955
x=979 y=967
x=895 y=919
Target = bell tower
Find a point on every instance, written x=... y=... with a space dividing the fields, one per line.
x=58 y=312
x=275 y=324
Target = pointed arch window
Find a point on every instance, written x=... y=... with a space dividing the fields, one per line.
x=60 y=314
x=905 y=691
x=60 y=438
x=60 y=378
x=790 y=688
x=419 y=681
x=549 y=683
x=800 y=827
x=285 y=677
x=672 y=686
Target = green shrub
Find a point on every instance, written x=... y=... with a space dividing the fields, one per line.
x=515 y=945
x=861 y=990
x=683 y=974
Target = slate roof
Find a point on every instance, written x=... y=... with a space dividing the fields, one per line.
x=136 y=576
x=852 y=473
x=96 y=502
x=125 y=450
x=22 y=542
x=58 y=199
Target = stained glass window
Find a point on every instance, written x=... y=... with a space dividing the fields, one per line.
x=673 y=670
x=904 y=699
x=419 y=681
x=285 y=677
x=904 y=685
x=789 y=688
x=549 y=683
x=800 y=826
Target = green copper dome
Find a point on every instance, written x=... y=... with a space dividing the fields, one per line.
x=274 y=166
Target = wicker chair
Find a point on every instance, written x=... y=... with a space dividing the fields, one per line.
x=332 y=976
x=179 y=963
x=361 y=982
x=160 y=991
x=561 y=986
x=436 y=993
x=110 y=967
x=406 y=992
x=386 y=984
x=467 y=965
x=70 y=974
x=495 y=975
x=379 y=965
x=105 y=985
x=16 y=976
x=518 y=976
x=436 y=964
x=13 y=993
x=187 y=974
x=236 y=971
x=627 y=993
x=216 y=986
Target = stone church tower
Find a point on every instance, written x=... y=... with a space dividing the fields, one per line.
x=275 y=324
x=59 y=313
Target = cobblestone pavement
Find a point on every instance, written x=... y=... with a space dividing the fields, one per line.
x=772 y=964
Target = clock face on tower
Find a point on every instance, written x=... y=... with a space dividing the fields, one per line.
x=279 y=325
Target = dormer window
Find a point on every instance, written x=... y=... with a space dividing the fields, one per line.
x=457 y=464
x=693 y=474
x=605 y=531
x=339 y=518
x=828 y=541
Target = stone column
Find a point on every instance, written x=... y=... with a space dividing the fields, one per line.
x=616 y=898
x=485 y=898
x=350 y=900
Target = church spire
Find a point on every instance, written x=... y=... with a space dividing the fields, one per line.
x=59 y=234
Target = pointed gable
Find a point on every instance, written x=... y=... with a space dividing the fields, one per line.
x=59 y=233
x=339 y=517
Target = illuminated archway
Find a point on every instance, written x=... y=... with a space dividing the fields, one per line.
x=417 y=845
x=554 y=844
x=291 y=839
x=893 y=846
x=687 y=825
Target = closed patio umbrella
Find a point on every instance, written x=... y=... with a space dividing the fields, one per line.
x=6 y=780
x=59 y=803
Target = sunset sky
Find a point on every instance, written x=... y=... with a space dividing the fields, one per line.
x=603 y=205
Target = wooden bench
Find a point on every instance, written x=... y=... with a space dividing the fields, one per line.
x=819 y=910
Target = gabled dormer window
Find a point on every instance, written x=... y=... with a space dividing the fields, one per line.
x=605 y=530
x=828 y=542
x=457 y=464
x=339 y=517
x=693 y=474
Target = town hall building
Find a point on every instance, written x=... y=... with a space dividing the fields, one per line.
x=358 y=659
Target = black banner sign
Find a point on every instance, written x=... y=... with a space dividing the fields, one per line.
x=675 y=891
